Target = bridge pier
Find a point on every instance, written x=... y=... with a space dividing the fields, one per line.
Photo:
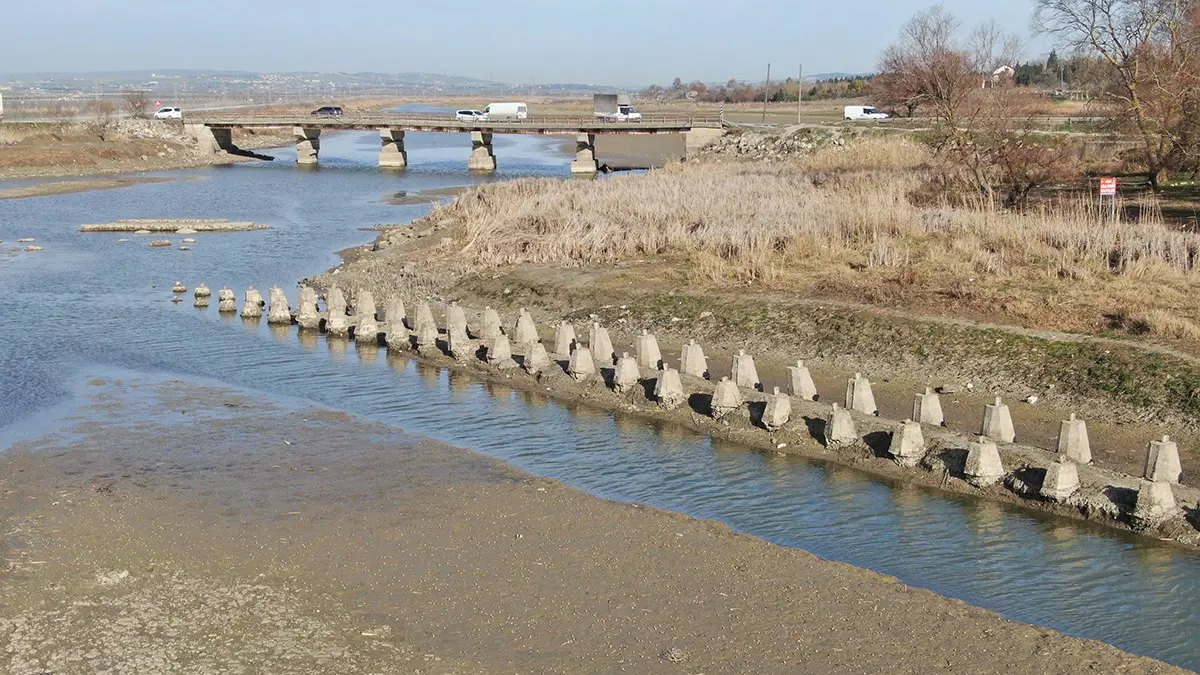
x=585 y=155
x=482 y=158
x=392 y=155
x=211 y=140
x=308 y=144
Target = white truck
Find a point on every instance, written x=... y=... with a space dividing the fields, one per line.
x=863 y=112
x=615 y=108
x=505 y=112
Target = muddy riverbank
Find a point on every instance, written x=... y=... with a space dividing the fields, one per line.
x=237 y=514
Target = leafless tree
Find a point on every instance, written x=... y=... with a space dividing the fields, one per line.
x=137 y=102
x=1151 y=49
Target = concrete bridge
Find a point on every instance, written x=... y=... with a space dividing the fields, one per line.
x=215 y=132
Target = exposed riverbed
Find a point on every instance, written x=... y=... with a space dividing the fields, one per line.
x=89 y=303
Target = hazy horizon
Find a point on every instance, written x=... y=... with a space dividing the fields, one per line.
x=618 y=43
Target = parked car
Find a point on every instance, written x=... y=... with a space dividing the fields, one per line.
x=168 y=114
x=470 y=116
x=327 y=111
x=506 y=111
x=863 y=112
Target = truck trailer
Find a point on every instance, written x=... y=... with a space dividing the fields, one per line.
x=615 y=108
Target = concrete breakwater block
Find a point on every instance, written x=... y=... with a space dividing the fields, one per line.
x=337 y=325
x=202 y=291
x=1073 y=441
x=525 y=331
x=335 y=301
x=627 y=374
x=456 y=317
x=489 y=326
x=364 y=306
x=745 y=374
x=252 y=308
x=537 y=360
x=564 y=338
x=424 y=315
x=459 y=344
x=394 y=314
x=927 y=408
x=997 y=422
x=1061 y=481
x=1162 y=461
x=279 y=312
x=800 y=382
x=366 y=330
x=668 y=390
x=726 y=399
x=859 y=395
x=499 y=352
x=839 y=428
x=648 y=354
x=226 y=300
x=983 y=467
x=1155 y=504
x=692 y=360
x=426 y=337
x=179 y=287
x=307 y=315
x=778 y=411
x=581 y=366
x=908 y=444
x=601 y=345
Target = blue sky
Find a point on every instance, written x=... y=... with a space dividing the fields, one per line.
x=620 y=42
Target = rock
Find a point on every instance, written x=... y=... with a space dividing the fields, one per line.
x=26 y=240
x=141 y=231
x=185 y=230
x=189 y=241
x=32 y=248
x=159 y=243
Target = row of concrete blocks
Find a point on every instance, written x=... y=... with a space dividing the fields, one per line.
x=983 y=464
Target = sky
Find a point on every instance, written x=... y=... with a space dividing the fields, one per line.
x=603 y=42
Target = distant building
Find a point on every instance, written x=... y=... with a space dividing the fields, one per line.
x=998 y=75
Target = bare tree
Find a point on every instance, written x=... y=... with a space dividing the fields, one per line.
x=1150 y=47
x=137 y=102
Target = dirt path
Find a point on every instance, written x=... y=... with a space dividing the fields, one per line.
x=170 y=526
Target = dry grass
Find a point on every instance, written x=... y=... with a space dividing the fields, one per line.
x=841 y=222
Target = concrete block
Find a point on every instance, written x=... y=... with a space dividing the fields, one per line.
x=997 y=422
x=279 y=312
x=337 y=324
x=1155 y=504
x=335 y=301
x=908 y=444
x=726 y=399
x=226 y=300
x=525 y=331
x=1162 y=461
x=692 y=360
x=859 y=395
x=202 y=295
x=1073 y=441
x=536 y=359
x=627 y=374
x=366 y=330
x=490 y=324
x=744 y=372
x=927 y=408
x=983 y=466
x=564 y=338
x=307 y=315
x=585 y=155
x=395 y=315
x=364 y=306
x=669 y=390
x=499 y=352
x=459 y=344
x=648 y=354
x=179 y=287
x=800 y=382
x=778 y=411
x=426 y=336
x=424 y=315
x=308 y=144
x=252 y=308
x=601 y=345
x=1061 y=481
x=581 y=366
x=456 y=317
x=391 y=151
x=482 y=157
x=839 y=428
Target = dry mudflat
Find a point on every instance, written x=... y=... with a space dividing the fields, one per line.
x=168 y=526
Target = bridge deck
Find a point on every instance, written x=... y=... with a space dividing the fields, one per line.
x=562 y=124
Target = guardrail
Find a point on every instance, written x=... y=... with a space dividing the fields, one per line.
x=366 y=119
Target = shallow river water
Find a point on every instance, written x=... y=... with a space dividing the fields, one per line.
x=90 y=305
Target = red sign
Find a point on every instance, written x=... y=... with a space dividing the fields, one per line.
x=1108 y=187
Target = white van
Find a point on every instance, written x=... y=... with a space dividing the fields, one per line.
x=863 y=112
x=500 y=112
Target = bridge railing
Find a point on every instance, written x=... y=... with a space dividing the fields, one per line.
x=566 y=122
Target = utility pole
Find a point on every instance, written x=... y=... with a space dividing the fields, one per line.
x=799 y=93
x=766 y=89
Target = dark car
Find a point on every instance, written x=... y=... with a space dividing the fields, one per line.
x=327 y=111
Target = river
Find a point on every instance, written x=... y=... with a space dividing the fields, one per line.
x=90 y=305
